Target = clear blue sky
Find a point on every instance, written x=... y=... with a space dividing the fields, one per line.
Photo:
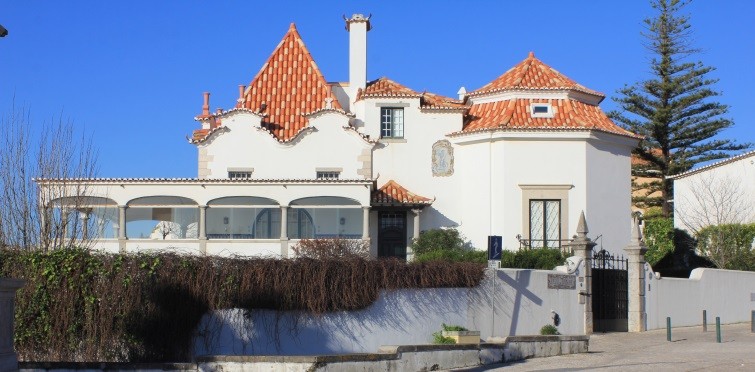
x=132 y=72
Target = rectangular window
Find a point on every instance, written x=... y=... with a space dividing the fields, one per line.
x=545 y=223
x=240 y=175
x=391 y=122
x=328 y=175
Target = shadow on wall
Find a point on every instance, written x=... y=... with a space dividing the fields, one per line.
x=398 y=317
x=511 y=297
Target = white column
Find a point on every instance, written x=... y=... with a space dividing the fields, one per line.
x=202 y=222
x=284 y=222
x=122 y=221
x=122 y=227
x=415 y=233
x=365 y=223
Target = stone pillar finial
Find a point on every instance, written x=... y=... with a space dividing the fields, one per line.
x=636 y=235
x=582 y=225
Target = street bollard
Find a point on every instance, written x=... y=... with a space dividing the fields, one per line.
x=668 y=328
x=752 y=322
x=705 y=321
x=718 y=329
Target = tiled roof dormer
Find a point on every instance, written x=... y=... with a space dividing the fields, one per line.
x=392 y=194
x=532 y=74
x=387 y=88
x=287 y=87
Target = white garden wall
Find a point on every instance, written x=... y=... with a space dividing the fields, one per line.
x=727 y=294
x=522 y=300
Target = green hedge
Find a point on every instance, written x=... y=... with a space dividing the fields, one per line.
x=89 y=307
x=540 y=259
x=728 y=246
x=659 y=238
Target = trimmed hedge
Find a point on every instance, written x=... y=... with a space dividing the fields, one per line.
x=83 y=306
x=540 y=259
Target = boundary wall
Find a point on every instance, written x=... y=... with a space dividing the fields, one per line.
x=522 y=300
x=727 y=294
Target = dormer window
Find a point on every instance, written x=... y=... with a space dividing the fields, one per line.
x=541 y=110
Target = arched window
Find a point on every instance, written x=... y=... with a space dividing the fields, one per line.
x=325 y=217
x=82 y=217
x=243 y=217
x=162 y=218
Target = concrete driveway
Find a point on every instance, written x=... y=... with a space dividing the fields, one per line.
x=690 y=350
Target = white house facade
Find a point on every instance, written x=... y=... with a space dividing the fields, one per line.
x=297 y=157
x=719 y=193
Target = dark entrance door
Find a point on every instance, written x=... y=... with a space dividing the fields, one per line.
x=392 y=234
x=610 y=296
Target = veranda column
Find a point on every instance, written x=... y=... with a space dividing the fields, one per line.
x=366 y=223
x=84 y=216
x=582 y=247
x=284 y=231
x=415 y=231
x=636 y=276
x=203 y=228
x=122 y=227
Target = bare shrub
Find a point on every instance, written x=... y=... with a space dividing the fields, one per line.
x=322 y=249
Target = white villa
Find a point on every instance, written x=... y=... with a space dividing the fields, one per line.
x=297 y=157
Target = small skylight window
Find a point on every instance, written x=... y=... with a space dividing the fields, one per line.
x=541 y=110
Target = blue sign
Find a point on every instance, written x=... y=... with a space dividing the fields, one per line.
x=495 y=246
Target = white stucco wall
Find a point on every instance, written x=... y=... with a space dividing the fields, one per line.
x=408 y=161
x=609 y=190
x=245 y=145
x=500 y=171
x=404 y=317
x=727 y=294
x=728 y=188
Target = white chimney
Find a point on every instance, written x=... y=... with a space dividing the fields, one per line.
x=357 y=25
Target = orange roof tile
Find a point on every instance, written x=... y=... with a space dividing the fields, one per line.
x=289 y=85
x=532 y=74
x=387 y=88
x=515 y=114
x=393 y=194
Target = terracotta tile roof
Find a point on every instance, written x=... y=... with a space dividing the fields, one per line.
x=393 y=194
x=532 y=74
x=515 y=114
x=202 y=180
x=289 y=85
x=387 y=88
x=437 y=102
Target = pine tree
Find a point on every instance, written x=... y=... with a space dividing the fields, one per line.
x=675 y=109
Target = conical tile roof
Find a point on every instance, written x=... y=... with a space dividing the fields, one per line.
x=532 y=74
x=288 y=86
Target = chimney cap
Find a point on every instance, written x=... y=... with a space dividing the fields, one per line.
x=357 y=18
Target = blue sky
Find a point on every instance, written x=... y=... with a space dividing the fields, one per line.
x=132 y=73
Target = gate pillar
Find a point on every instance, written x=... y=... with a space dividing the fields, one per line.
x=582 y=246
x=636 y=276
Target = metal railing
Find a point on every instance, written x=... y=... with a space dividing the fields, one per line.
x=561 y=244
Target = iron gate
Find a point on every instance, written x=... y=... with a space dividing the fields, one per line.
x=610 y=296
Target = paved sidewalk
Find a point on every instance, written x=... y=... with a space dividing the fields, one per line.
x=690 y=350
